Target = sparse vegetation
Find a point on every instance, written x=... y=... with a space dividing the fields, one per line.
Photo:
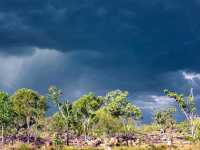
x=93 y=122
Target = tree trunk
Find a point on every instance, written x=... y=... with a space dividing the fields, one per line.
x=125 y=126
x=87 y=128
x=28 y=128
x=192 y=128
x=84 y=128
x=36 y=133
x=2 y=135
x=190 y=119
x=67 y=140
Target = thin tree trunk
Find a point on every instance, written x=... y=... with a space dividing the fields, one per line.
x=28 y=128
x=67 y=140
x=87 y=128
x=2 y=135
x=67 y=120
x=84 y=127
x=171 y=139
x=186 y=115
x=67 y=136
x=192 y=128
x=125 y=126
x=190 y=120
x=35 y=138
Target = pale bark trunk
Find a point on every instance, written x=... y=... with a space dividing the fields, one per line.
x=28 y=128
x=2 y=134
x=125 y=126
x=190 y=120
x=36 y=133
x=192 y=128
x=67 y=120
x=186 y=115
x=84 y=127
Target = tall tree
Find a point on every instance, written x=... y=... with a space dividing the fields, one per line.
x=105 y=123
x=39 y=116
x=5 y=112
x=186 y=105
x=85 y=108
x=65 y=108
x=165 y=118
x=117 y=103
x=27 y=104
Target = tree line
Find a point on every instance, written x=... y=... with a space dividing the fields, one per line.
x=90 y=115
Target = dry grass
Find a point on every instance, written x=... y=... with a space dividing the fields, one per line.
x=161 y=147
x=20 y=146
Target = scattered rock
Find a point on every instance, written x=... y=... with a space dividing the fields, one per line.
x=113 y=141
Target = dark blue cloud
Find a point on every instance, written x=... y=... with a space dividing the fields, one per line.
x=99 y=45
x=68 y=25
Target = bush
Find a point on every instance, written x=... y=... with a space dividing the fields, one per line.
x=160 y=147
x=196 y=123
x=57 y=141
x=25 y=147
x=106 y=124
x=182 y=127
x=150 y=128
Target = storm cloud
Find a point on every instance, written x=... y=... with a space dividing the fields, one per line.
x=81 y=46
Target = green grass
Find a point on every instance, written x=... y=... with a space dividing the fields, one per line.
x=149 y=128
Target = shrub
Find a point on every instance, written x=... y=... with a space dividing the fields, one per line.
x=57 y=141
x=150 y=128
x=25 y=147
x=196 y=123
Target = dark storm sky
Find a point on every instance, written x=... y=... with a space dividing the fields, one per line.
x=99 y=45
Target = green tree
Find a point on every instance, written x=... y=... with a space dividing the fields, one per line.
x=56 y=126
x=57 y=123
x=105 y=123
x=5 y=112
x=117 y=103
x=85 y=108
x=65 y=108
x=186 y=105
x=39 y=116
x=27 y=105
x=165 y=118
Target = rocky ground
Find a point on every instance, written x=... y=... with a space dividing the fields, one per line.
x=137 y=139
